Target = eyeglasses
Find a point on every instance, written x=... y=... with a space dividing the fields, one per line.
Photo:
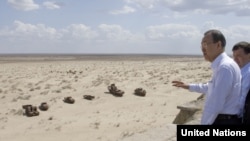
x=205 y=44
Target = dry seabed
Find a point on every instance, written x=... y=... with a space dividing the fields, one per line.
x=104 y=118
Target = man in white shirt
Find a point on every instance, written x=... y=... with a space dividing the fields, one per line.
x=222 y=92
x=241 y=54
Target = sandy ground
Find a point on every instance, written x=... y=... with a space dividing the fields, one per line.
x=106 y=117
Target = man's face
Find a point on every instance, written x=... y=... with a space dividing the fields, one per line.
x=209 y=48
x=240 y=57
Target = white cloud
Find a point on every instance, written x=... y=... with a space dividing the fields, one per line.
x=164 y=38
x=172 y=31
x=51 y=5
x=124 y=10
x=79 y=31
x=114 y=32
x=25 y=5
x=237 y=7
x=240 y=32
x=26 y=31
x=147 y=4
x=234 y=32
x=118 y=33
x=178 y=15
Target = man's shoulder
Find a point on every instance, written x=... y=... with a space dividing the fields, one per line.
x=247 y=67
x=228 y=65
x=228 y=62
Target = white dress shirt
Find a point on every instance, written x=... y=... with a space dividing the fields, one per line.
x=245 y=85
x=222 y=93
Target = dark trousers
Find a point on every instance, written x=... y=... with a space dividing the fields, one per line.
x=223 y=119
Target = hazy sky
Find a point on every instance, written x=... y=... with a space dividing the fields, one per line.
x=119 y=26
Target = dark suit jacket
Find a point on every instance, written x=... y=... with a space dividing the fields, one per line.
x=246 y=114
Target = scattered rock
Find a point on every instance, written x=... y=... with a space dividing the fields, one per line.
x=44 y=106
x=88 y=97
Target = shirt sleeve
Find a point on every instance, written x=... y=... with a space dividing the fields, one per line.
x=199 y=88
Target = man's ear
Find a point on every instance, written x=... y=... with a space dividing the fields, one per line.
x=219 y=45
x=248 y=56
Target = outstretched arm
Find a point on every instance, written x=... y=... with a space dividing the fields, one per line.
x=180 y=84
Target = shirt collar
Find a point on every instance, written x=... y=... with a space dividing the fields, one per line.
x=246 y=67
x=217 y=60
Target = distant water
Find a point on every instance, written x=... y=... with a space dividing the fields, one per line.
x=72 y=57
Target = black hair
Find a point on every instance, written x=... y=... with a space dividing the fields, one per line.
x=217 y=36
x=243 y=45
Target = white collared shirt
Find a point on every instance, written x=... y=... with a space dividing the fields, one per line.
x=222 y=93
x=245 y=85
